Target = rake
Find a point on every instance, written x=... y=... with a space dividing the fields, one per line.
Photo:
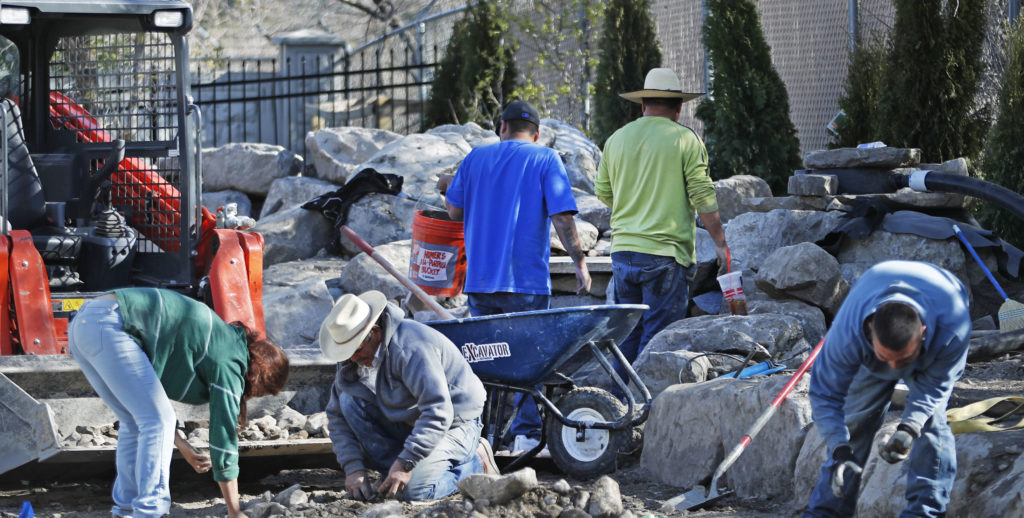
x=1011 y=312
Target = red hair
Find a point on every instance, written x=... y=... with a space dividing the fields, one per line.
x=268 y=371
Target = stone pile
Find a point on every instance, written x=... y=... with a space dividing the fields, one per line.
x=507 y=496
x=283 y=424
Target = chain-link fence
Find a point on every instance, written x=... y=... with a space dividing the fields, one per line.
x=810 y=44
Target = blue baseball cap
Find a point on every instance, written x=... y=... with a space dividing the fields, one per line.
x=521 y=110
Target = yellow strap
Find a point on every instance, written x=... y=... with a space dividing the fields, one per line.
x=976 y=417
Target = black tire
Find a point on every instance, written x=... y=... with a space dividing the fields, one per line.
x=598 y=455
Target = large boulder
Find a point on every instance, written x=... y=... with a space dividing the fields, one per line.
x=579 y=154
x=214 y=200
x=296 y=298
x=336 y=152
x=732 y=192
x=292 y=234
x=470 y=132
x=857 y=255
x=706 y=274
x=379 y=219
x=806 y=272
x=773 y=335
x=722 y=411
x=811 y=317
x=364 y=273
x=989 y=478
x=753 y=236
x=420 y=158
x=586 y=232
x=594 y=211
x=249 y=167
x=293 y=191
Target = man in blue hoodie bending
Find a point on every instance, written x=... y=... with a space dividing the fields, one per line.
x=902 y=320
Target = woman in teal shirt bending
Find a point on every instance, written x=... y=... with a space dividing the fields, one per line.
x=142 y=347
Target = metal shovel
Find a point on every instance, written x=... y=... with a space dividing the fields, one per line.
x=700 y=496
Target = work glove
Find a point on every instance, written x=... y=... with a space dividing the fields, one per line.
x=898 y=446
x=844 y=468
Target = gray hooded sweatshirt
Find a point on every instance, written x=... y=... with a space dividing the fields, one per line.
x=422 y=380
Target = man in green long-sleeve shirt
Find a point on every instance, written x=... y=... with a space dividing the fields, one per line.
x=653 y=174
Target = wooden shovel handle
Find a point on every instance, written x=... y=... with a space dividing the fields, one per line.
x=416 y=290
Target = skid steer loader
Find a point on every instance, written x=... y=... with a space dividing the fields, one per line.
x=101 y=189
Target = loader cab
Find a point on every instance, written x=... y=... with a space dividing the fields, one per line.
x=76 y=77
x=99 y=154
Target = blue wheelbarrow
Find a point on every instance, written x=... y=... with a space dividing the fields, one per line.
x=585 y=428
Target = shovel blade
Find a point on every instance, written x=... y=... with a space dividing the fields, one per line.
x=696 y=498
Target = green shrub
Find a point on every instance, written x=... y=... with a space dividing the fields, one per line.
x=629 y=49
x=747 y=126
x=1003 y=162
x=478 y=71
x=929 y=88
x=861 y=96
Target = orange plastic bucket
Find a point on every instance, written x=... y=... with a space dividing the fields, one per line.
x=438 y=261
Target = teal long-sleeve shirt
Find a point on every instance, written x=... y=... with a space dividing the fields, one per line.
x=198 y=358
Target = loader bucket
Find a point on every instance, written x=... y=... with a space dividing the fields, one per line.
x=27 y=429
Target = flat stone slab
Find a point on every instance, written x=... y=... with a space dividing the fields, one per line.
x=883 y=157
x=562 y=265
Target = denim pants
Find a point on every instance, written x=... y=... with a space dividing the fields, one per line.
x=527 y=421
x=656 y=280
x=931 y=466
x=436 y=476
x=123 y=376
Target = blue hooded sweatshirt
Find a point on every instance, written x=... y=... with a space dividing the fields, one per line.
x=942 y=304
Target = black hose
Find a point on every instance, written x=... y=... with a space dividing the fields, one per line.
x=925 y=181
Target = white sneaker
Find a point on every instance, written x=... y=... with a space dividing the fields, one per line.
x=483 y=450
x=524 y=443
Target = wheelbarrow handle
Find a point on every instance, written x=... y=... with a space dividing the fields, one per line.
x=416 y=290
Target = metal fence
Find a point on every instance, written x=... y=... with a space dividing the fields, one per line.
x=257 y=100
x=383 y=83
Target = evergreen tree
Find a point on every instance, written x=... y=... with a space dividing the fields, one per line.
x=747 y=126
x=478 y=72
x=629 y=49
x=1004 y=153
x=861 y=97
x=929 y=88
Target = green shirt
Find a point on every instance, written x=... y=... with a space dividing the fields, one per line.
x=654 y=176
x=198 y=358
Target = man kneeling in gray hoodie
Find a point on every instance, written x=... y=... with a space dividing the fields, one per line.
x=404 y=402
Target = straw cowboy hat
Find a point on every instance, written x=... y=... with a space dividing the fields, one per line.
x=348 y=323
x=663 y=83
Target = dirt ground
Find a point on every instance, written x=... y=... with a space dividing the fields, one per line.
x=194 y=497
x=198 y=496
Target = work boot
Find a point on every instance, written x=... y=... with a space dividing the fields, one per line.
x=483 y=450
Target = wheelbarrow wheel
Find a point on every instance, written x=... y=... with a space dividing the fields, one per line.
x=596 y=454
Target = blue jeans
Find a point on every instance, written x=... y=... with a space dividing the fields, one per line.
x=527 y=421
x=656 y=280
x=123 y=376
x=931 y=466
x=436 y=476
